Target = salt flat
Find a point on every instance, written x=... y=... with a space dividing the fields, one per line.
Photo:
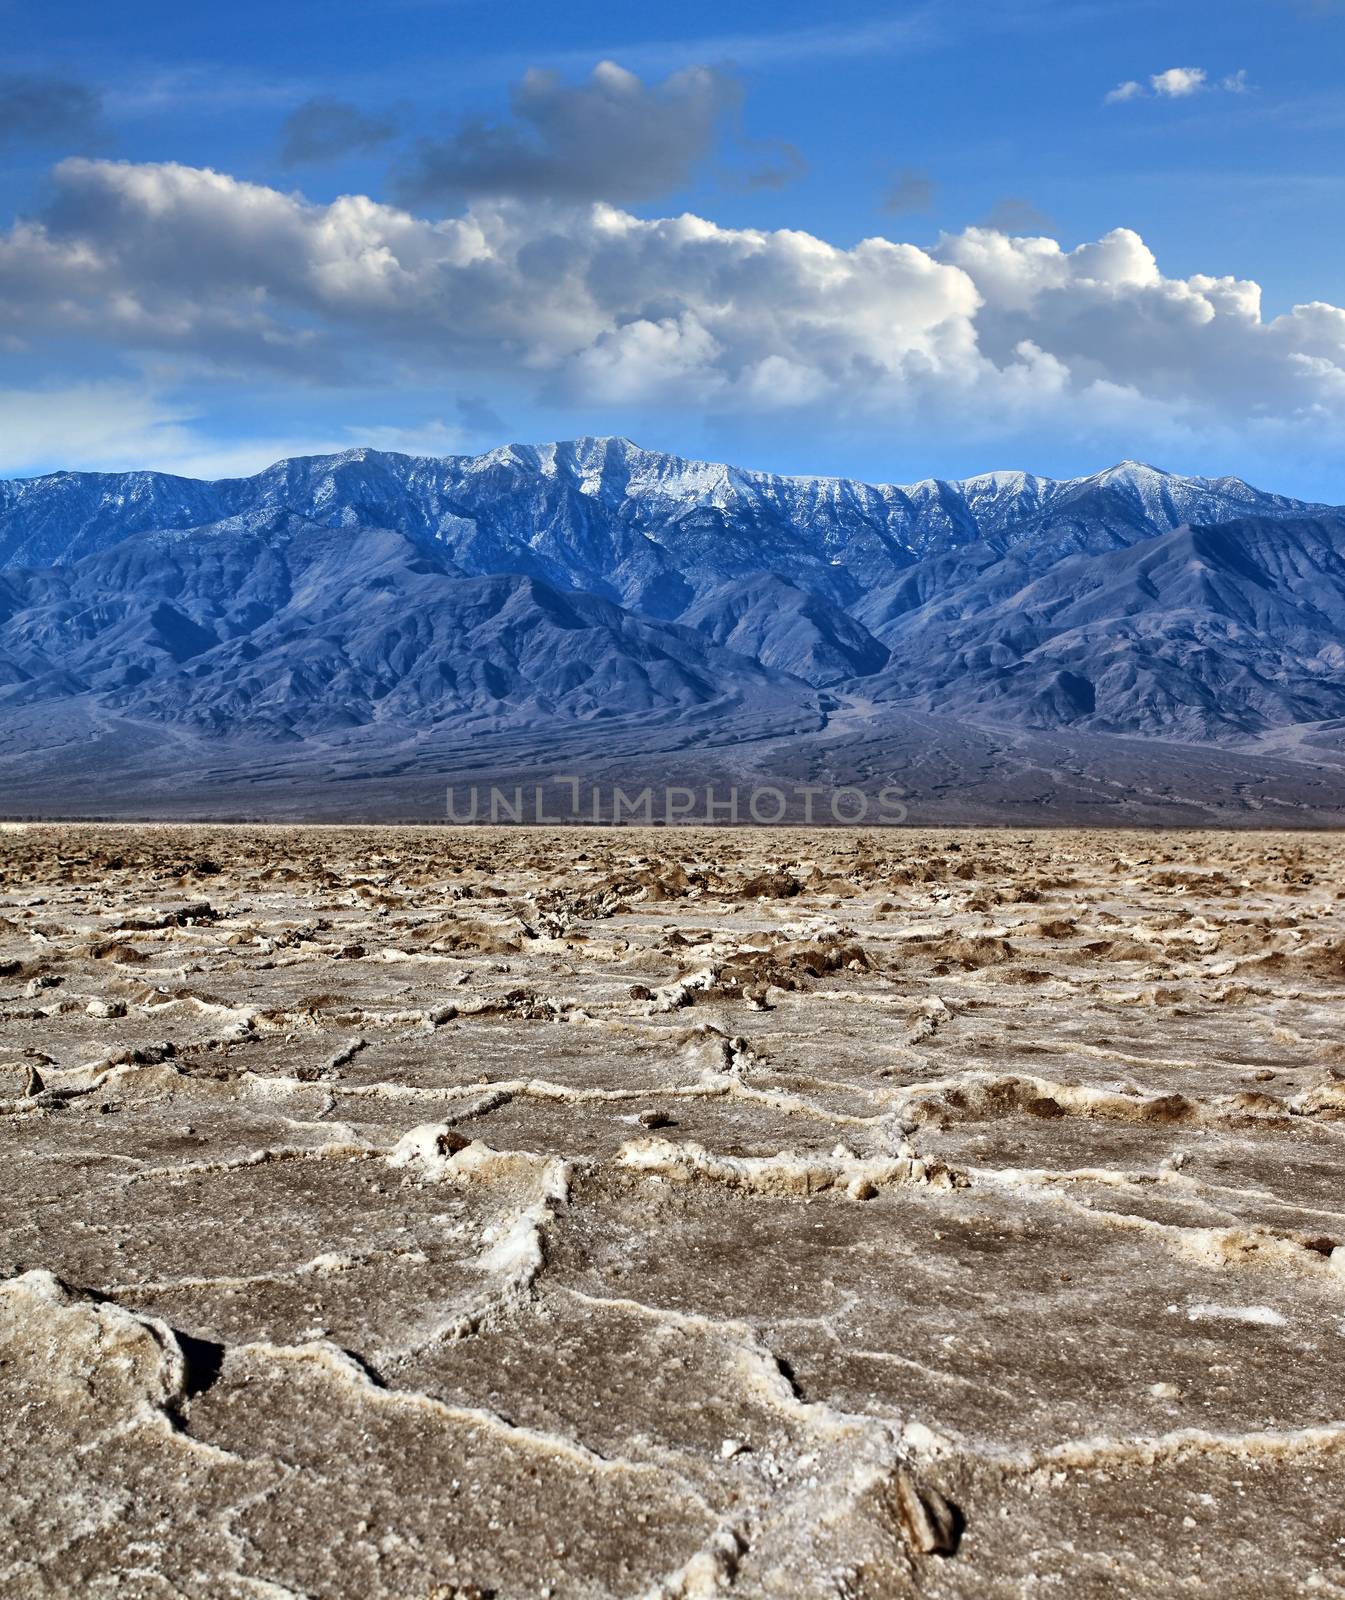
x=463 y=1212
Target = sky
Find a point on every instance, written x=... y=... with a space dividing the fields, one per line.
x=890 y=242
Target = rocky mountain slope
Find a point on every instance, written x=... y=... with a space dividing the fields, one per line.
x=535 y=587
x=286 y=627
x=1201 y=633
x=646 y=529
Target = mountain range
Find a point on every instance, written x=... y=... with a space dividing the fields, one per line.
x=531 y=590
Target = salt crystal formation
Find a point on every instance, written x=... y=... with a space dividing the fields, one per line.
x=452 y=1213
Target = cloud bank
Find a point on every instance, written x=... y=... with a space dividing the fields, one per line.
x=589 y=303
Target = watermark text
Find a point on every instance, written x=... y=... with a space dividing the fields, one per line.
x=565 y=799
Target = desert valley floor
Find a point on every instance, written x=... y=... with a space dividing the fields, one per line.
x=442 y=1213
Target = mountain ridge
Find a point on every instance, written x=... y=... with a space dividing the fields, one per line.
x=535 y=591
x=56 y=517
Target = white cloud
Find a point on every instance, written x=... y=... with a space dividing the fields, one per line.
x=1129 y=90
x=591 y=305
x=1177 y=82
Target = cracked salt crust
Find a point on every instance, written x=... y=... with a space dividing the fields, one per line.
x=454 y=1212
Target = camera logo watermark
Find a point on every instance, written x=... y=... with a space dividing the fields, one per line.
x=567 y=799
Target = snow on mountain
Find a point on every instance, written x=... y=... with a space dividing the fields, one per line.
x=590 y=578
x=606 y=516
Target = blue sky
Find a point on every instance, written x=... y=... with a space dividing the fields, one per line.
x=182 y=284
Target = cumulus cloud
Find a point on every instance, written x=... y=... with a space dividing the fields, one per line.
x=324 y=130
x=1176 y=83
x=46 y=110
x=591 y=304
x=612 y=138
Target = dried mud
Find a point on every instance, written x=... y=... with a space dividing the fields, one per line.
x=442 y=1214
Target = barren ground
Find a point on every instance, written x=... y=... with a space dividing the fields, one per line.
x=450 y=1213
